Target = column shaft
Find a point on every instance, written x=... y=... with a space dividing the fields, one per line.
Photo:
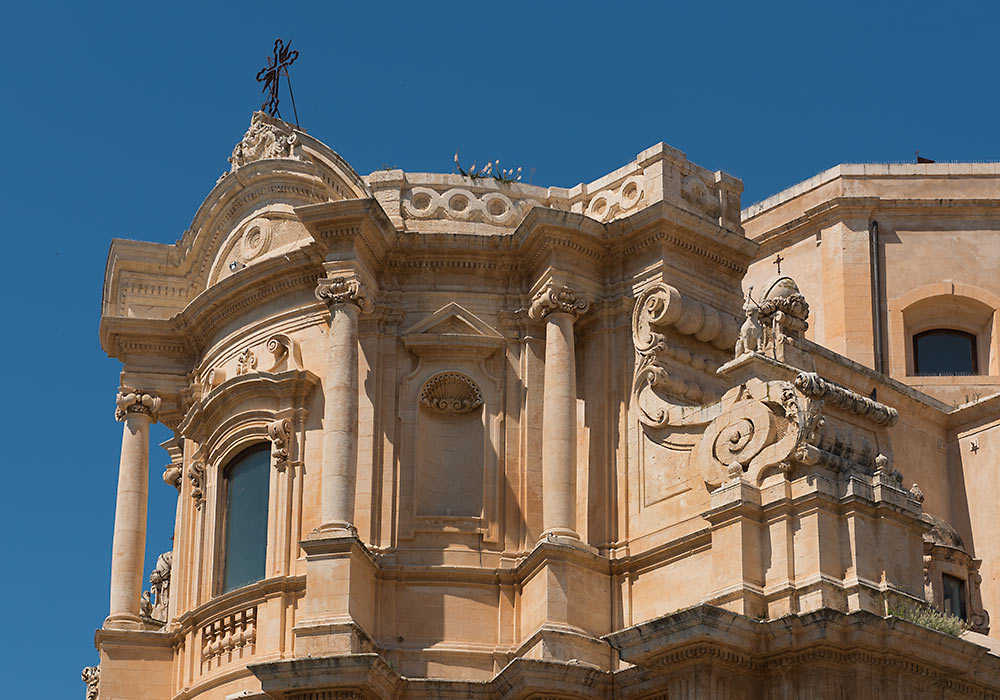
x=129 y=544
x=559 y=428
x=340 y=418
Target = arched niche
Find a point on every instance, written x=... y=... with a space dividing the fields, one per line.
x=451 y=448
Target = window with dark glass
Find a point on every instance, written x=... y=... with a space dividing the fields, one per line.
x=954 y=595
x=246 y=480
x=944 y=352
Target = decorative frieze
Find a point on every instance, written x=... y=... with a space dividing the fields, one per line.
x=131 y=401
x=552 y=298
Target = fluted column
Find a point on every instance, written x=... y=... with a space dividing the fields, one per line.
x=347 y=298
x=136 y=410
x=559 y=306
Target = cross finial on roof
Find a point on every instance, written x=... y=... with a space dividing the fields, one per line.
x=270 y=75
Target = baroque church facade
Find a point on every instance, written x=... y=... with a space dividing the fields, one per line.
x=441 y=436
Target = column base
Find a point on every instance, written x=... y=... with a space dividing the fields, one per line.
x=123 y=621
x=566 y=538
x=334 y=529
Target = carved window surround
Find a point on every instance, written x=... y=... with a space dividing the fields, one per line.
x=242 y=411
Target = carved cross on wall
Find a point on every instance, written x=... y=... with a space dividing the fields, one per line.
x=270 y=75
x=777 y=261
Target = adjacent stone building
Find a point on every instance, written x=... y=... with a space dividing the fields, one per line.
x=440 y=436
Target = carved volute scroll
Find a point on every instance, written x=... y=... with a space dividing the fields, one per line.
x=280 y=432
x=451 y=392
x=343 y=289
x=557 y=298
x=131 y=401
x=196 y=475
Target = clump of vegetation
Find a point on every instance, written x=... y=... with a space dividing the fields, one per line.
x=924 y=615
x=504 y=176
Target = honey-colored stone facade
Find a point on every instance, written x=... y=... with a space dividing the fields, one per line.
x=534 y=442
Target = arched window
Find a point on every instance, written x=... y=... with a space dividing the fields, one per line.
x=945 y=352
x=246 y=483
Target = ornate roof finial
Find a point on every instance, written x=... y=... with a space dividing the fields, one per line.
x=270 y=75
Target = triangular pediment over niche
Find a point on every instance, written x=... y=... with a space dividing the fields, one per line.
x=453 y=319
x=452 y=327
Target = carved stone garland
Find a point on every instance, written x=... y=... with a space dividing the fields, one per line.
x=451 y=392
x=91 y=675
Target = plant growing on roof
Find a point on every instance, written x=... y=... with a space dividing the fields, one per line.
x=504 y=176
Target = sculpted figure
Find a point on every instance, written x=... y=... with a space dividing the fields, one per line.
x=750 y=331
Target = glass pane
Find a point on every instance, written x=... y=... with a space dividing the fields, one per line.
x=246 y=518
x=944 y=353
x=954 y=595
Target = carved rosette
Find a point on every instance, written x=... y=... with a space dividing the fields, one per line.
x=451 y=392
x=91 y=675
x=343 y=290
x=267 y=137
x=131 y=401
x=557 y=298
x=196 y=475
x=280 y=432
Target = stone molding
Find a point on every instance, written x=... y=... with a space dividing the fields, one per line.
x=814 y=386
x=131 y=401
x=553 y=298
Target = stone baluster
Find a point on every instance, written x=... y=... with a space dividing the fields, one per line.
x=136 y=410
x=559 y=306
x=347 y=298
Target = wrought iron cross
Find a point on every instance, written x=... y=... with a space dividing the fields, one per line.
x=777 y=258
x=270 y=75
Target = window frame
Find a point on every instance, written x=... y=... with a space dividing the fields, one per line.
x=973 y=349
x=222 y=521
x=963 y=602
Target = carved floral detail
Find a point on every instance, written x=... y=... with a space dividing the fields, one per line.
x=196 y=475
x=280 y=432
x=246 y=362
x=451 y=392
x=131 y=401
x=552 y=298
x=267 y=137
x=343 y=290
x=91 y=675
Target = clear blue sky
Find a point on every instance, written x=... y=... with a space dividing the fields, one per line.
x=117 y=120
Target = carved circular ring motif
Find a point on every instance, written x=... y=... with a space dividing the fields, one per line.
x=255 y=240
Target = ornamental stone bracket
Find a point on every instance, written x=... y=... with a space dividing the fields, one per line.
x=280 y=434
x=91 y=675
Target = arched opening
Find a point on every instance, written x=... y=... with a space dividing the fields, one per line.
x=245 y=517
x=945 y=352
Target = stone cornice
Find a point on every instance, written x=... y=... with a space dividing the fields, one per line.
x=350 y=228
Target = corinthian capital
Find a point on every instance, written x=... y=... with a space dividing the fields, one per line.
x=343 y=290
x=552 y=298
x=131 y=401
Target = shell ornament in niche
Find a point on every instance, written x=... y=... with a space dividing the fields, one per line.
x=451 y=392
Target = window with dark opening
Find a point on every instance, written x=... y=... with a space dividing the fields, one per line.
x=246 y=480
x=954 y=595
x=944 y=352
